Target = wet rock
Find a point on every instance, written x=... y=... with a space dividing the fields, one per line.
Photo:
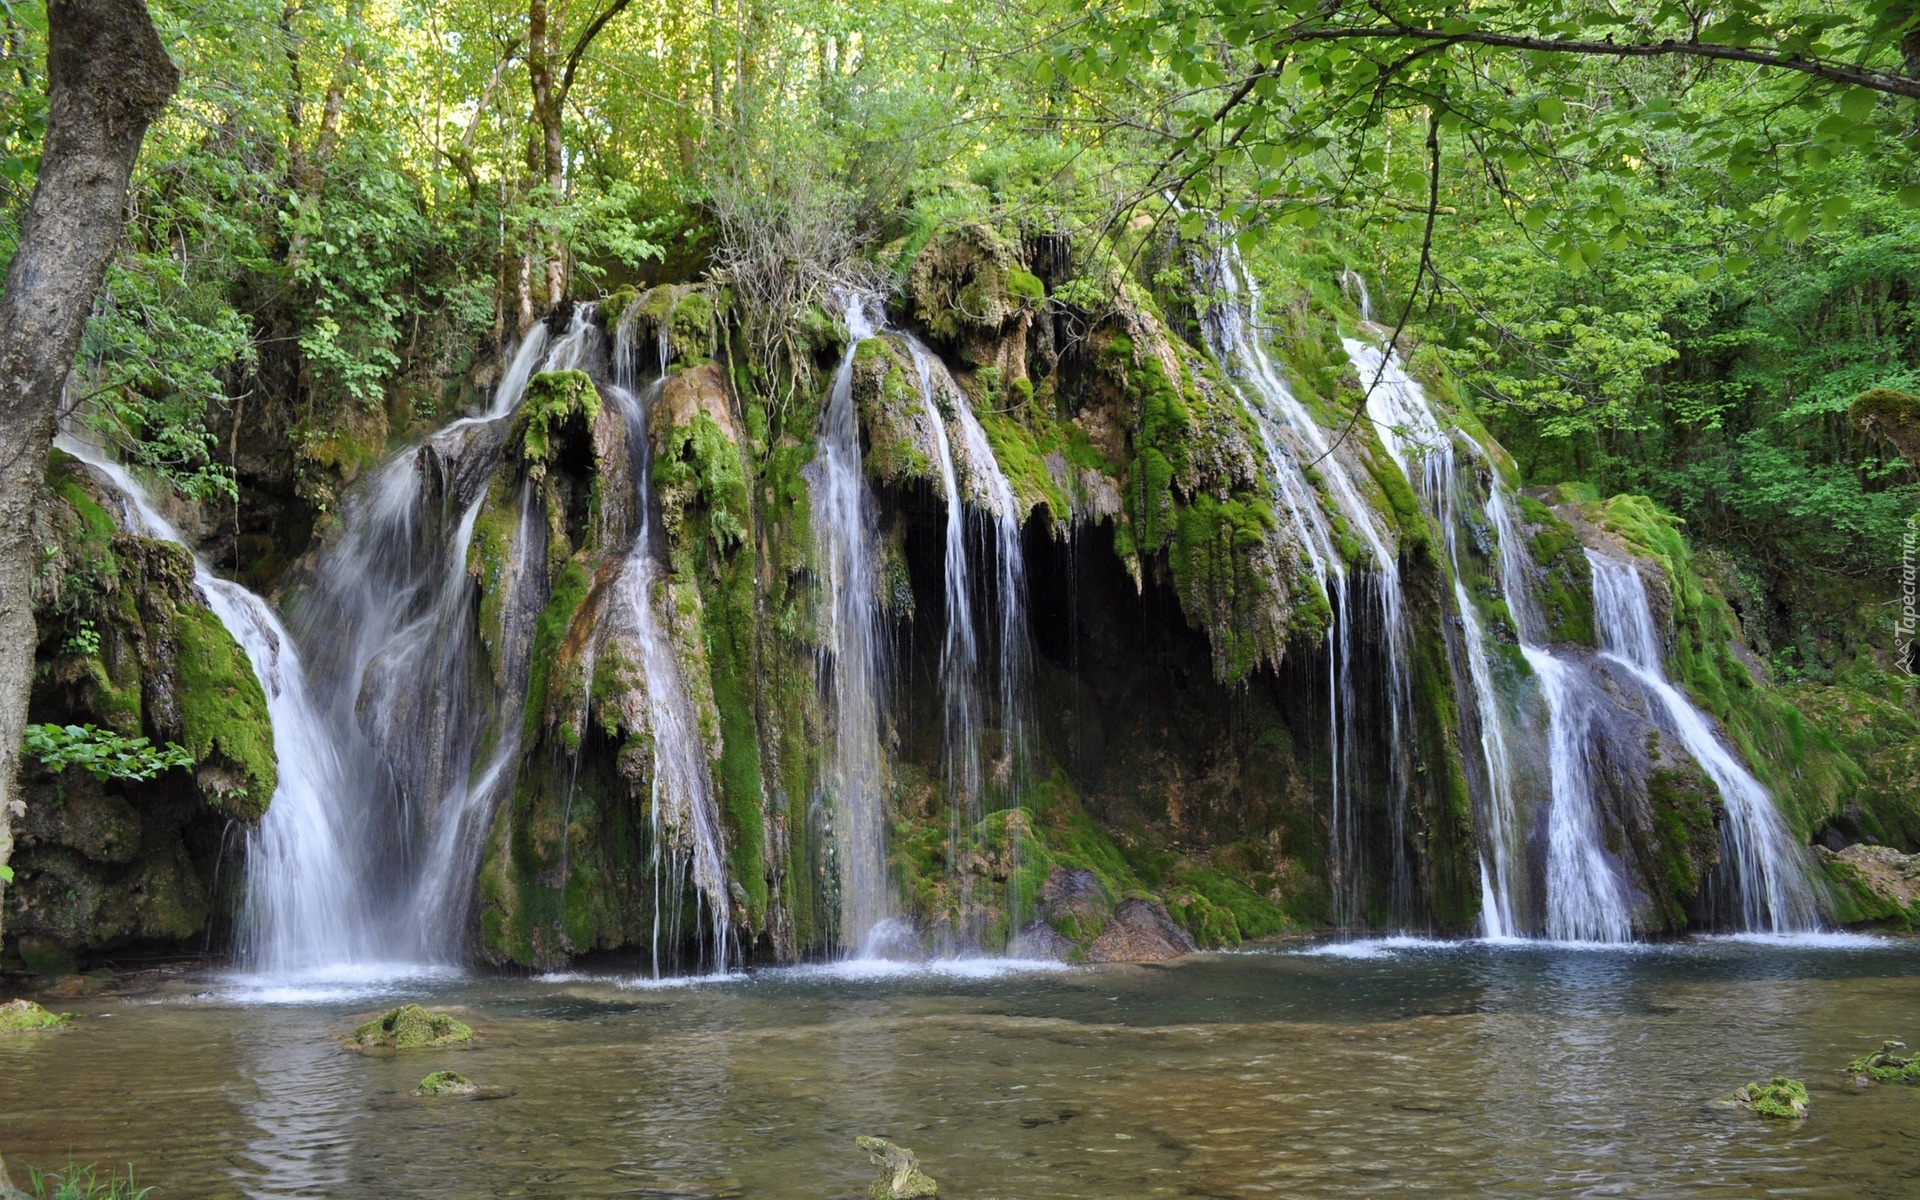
x=409 y=1027
x=1886 y=1065
x=1140 y=931
x=1040 y=941
x=22 y=1016
x=900 y=1176
x=1779 y=1097
x=446 y=1083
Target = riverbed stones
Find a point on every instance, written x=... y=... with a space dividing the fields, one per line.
x=1140 y=931
x=410 y=1027
x=900 y=1176
x=24 y=1016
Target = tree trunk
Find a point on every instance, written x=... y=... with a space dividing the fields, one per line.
x=107 y=78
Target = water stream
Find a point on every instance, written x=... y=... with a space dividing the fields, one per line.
x=1293 y=442
x=846 y=527
x=1762 y=868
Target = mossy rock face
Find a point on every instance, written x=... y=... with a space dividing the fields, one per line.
x=900 y=1175
x=960 y=282
x=555 y=404
x=1892 y=415
x=410 y=1027
x=24 y=1016
x=446 y=1083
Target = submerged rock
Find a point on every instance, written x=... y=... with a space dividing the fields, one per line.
x=447 y=1083
x=900 y=1176
x=21 y=1016
x=1886 y=1065
x=1140 y=931
x=410 y=1027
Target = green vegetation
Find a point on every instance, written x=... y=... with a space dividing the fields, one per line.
x=102 y=754
x=83 y=1183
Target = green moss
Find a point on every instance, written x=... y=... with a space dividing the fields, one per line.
x=1852 y=901
x=446 y=1083
x=691 y=329
x=1221 y=910
x=23 y=1016
x=1887 y=1065
x=553 y=399
x=223 y=712
x=549 y=631
x=1222 y=589
x=1025 y=285
x=1163 y=426
x=1686 y=829
x=1566 y=592
x=410 y=1027
x=1023 y=461
x=1780 y=1097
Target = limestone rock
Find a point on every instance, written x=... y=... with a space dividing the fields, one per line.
x=900 y=1176
x=1879 y=882
x=1140 y=931
x=409 y=1027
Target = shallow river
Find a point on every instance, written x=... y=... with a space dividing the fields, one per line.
x=1374 y=1068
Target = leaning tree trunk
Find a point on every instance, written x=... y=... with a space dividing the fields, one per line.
x=107 y=78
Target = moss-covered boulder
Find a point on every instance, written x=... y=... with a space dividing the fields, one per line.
x=24 y=1016
x=446 y=1083
x=1892 y=415
x=410 y=1027
x=900 y=1175
x=1779 y=1097
x=1888 y=1064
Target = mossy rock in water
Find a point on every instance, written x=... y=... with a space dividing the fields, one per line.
x=1886 y=1065
x=447 y=1083
x=23 y=1016
x=410 y=1027
x=900 y=1176
x=1778 y=1097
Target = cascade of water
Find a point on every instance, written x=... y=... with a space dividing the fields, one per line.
x=306 y=906
x=1761 y=865
x=398 y=668
x=1291 y=437
x=958 y=652
x=684 y=814
x=1426 y=456
x=845 y=528
x=990 y=490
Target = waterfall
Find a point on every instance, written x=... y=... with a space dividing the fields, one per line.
x=959 y=660
x=388 y=619
x=845 y=533
x=1761 y=865
x=1425 y=453
x=1293 y=442
x=687 y=835
x=306 y=902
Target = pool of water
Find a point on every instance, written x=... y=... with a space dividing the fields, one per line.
x=1358 y=1069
